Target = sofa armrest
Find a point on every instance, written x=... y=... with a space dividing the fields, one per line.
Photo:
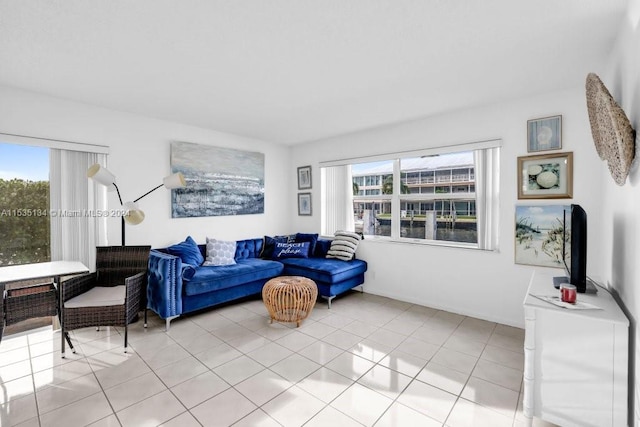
x=164 y=289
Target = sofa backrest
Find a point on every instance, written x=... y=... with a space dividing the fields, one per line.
x=249 y=248
x=252 y=248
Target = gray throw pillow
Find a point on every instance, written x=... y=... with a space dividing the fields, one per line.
x=220 y=252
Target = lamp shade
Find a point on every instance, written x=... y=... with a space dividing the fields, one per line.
x=134 y=215
x=175 y=180
x=101 y=175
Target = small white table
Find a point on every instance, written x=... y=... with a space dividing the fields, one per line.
x=40 y=270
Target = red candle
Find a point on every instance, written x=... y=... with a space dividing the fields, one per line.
x=568 y=293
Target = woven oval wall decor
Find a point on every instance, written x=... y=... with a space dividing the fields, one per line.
x=612 y=133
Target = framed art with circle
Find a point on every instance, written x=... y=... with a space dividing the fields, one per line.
x=545 y=176
x=544 y=134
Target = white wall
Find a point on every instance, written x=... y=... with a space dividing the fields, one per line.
x=139 y=157
x=482 y=284
x=621 y=205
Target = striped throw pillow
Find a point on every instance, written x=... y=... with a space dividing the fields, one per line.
x=344 y=245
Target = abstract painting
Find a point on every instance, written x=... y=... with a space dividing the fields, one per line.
x=220 y=181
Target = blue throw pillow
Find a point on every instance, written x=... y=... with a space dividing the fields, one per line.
x=291 y=250
x=188 y=251
x=270 y=243
x=322 y=247
x=311 y=238
x=188 y=271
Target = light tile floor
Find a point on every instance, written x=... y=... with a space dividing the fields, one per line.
x=367 y=361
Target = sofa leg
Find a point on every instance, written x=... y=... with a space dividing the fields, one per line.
x=329 y=301
x=168 y=322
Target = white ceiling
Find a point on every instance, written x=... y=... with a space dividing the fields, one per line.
x=291 y=71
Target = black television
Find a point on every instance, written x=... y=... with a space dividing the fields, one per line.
x=574 y=250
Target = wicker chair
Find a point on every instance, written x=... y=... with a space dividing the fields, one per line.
x=109 y=297
x=24 y=302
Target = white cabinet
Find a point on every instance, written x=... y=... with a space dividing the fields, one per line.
x=575 y=361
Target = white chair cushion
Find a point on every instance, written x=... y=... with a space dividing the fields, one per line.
x=99 y=296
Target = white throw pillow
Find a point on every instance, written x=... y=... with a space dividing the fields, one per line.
x=344 y=245
x=220 y=252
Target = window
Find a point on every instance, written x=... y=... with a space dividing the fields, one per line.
x=427 y=196
x=24 y=204
x=48 y=209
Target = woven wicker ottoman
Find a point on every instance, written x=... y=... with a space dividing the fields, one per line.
x=289 y=298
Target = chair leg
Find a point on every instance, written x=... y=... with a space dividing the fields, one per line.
x=68 y=338
x=145 y=318
x=126 y=337
x=65 y=337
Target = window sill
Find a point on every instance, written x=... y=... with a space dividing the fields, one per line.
x=420 y=242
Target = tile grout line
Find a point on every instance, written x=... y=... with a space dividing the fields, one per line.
x=352 y=317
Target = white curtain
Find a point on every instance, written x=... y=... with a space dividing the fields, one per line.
x=487 y=169
x=337 y=199
x=78 y=205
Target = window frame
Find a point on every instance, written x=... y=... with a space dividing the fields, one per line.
x=397 y=198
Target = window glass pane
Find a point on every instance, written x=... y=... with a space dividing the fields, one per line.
x=24 y=204
x=373 y=217
x=437 y=199
x=442 y=219
x=374 y=178
x=444 y=173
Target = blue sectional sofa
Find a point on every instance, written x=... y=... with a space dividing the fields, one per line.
x=175 y=288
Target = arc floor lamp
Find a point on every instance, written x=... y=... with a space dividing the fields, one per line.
x=134 y=215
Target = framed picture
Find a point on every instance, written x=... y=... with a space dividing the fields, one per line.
x=304 y=203
x=539 y=235
x=545 y=176
x=544 y=134
x=304 y=177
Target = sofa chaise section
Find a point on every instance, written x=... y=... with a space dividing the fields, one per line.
x=332 y=276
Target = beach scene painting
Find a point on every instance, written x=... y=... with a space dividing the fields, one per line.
x=539 y=235
x=220 y=181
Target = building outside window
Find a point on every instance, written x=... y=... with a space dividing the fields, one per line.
x=455 y=220
x=430 y=197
